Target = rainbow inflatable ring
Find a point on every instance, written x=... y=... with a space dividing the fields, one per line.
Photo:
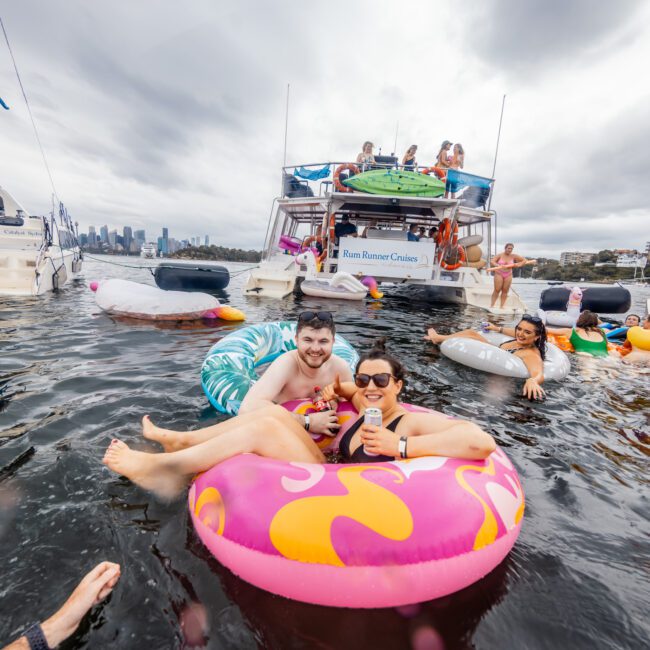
x=359 y=535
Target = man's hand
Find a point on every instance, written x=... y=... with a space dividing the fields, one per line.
x=324 y=423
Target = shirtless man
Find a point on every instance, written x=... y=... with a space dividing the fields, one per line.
x=295 y=374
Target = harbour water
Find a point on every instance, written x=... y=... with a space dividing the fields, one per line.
x=71 y=378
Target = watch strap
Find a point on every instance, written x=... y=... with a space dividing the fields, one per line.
x=306 y=422
x=401 y=446
x=36 y=638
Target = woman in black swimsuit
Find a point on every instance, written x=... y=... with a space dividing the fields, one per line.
x=378 y=380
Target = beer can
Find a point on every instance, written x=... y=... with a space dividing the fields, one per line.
x=372 y=416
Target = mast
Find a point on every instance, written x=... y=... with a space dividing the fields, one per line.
x=494 y=168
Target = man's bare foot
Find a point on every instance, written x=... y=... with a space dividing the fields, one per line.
x=170 y=440
x=434 y=337
x=149 y=471
x=92 y=589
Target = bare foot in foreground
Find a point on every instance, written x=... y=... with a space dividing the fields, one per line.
x=93 y=588
x=170 y=440
x=149 y=471
x=434 y=337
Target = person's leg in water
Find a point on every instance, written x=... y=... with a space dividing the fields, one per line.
x=176 y=440
x=274 y=435
x=507 y=282
x=498 y=284
x=437 y=339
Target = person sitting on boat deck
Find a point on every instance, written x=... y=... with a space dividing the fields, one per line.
x=413 y=233
x=366 y=157
x=94 y=587
x=408 y=161
x=458 y=157
x=586 y=336
x=272 y=432
x=528 y=343
x=344 y=229
x=443 y=158
x=431 y=235
x=503 y=277
x=294 y=375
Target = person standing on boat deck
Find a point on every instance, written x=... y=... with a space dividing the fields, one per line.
x=443 y=158
x=366 y=157
x=344 y=228
x=458 y=157
x=413 y=233
x=503 y=277
x=408 y=162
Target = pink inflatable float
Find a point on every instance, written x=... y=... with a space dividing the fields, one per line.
x=371 y=535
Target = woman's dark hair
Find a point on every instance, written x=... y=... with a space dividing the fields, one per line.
x=378 y=351
x=540 y=330
x=588 y=320
x=508 y=244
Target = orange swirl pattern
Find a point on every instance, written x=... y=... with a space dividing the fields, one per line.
x=301 y=530
x=210 y=505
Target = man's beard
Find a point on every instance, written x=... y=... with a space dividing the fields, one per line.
x=314 y=362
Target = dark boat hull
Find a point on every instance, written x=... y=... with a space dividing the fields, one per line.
x=191 y=277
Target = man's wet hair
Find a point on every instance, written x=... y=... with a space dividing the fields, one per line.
x=317 y=320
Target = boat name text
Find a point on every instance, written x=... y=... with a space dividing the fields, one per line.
x=366 y=255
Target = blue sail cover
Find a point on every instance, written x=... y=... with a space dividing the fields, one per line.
x=3 y=104
x=313 y=174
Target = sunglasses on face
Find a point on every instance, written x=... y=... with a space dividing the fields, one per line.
x=381 y=379
x=325 y=316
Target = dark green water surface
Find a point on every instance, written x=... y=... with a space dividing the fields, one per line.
x=71 y=378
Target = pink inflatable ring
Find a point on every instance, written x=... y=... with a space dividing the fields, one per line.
x=353 y=535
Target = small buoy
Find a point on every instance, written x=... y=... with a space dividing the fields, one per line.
x=94 y=285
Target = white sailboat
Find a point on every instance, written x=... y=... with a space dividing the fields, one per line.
x=37 y=254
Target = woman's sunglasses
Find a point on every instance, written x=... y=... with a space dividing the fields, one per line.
x=381 y=379
x=325 y=316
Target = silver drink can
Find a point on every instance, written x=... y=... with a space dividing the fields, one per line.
x=372 y=416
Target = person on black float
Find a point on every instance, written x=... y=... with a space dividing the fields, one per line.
x=528 y=343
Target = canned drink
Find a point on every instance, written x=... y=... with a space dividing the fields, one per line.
x=372 y=416
x=484 y=326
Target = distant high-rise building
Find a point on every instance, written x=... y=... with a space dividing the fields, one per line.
x=127 y=236
x=92 y=237
x=568 y=258
x=83 y=239
x=207 y=242
x=163 y=245
x=165 y=233
x=104 y=233
x=112 y=237
x=139 y=236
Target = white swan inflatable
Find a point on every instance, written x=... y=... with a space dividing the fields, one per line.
x=488 y=357
x=135 y=300
x=342 y=285
x=566 y=318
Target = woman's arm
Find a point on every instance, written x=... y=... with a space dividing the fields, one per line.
x=535 y=366
x=508 y=331
x=520 y=261
x=339 y=389
x=559 y=331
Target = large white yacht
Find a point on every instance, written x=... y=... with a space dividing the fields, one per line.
x=449 y=270
x=37 y=254
x=149 y=250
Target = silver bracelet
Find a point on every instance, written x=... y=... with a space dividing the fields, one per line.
x=401 y=446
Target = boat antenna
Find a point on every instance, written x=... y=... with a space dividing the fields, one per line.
x=494 y=169
x=29 y=110
x=396 y=132
x=286 y=128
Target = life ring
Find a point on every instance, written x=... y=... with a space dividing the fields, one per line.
x=230 y=367
x=462 y=258
x=359 y=535
x=490 y=358
x=438 y=171
x=446 y=235
x=337 y=181
x=639 y=337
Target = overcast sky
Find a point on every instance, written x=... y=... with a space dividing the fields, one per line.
x=162 y=113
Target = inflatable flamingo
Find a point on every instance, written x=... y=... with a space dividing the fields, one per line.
x=342 y=285
x=566 y=318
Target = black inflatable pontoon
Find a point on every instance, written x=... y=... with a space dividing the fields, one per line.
x=602 y=300
x=191 y=277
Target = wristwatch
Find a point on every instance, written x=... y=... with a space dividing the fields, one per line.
x=36 y=638
x=401 y=447
x=306 y=425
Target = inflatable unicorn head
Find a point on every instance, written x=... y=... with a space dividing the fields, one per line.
x=575 y=299
x=308 y=259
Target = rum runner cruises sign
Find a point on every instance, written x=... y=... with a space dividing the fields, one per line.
x=387 y=258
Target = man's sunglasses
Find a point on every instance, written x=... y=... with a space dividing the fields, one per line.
x=381 y=379
x=325 y=316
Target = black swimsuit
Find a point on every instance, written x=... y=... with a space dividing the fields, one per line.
x=359 y=455
x=513 y=349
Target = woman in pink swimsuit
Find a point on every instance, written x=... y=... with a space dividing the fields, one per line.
x=503 y=277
